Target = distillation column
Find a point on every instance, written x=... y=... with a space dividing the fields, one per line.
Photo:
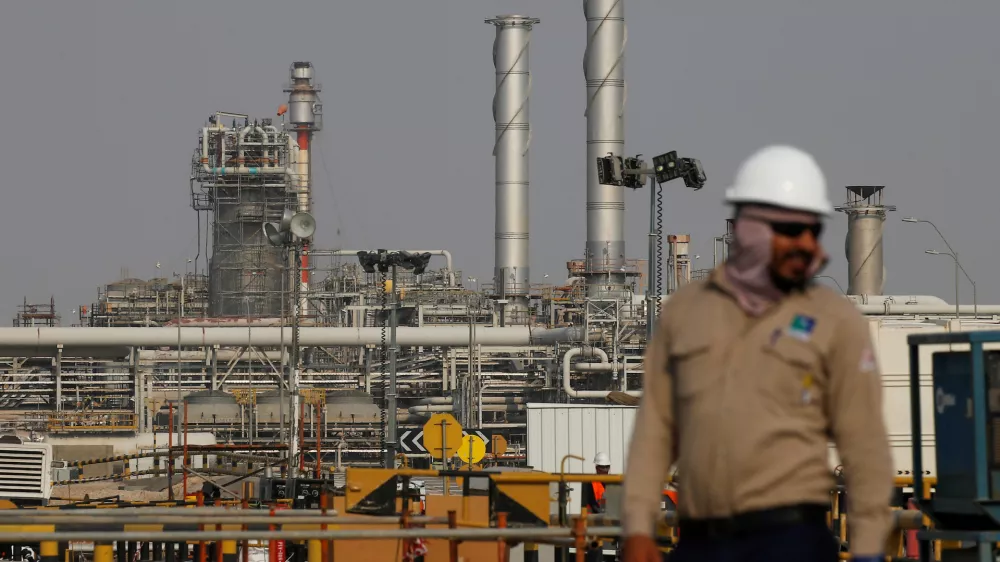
x=604 y=71
x=305 y=114
x=865 y=220
x=511 y=272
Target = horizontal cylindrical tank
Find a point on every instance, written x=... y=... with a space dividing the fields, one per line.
x=351 y=406
x=211 y=405
x=203 y=406
x=272 y=407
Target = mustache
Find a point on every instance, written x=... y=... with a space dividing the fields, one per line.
x=806 y=256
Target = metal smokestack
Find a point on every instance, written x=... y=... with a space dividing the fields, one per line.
x=604 y=71
x=511 y=273
x=865 y=220
x=305 y=114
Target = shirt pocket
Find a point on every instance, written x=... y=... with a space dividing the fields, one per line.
x=792 y=374
x=692 y=364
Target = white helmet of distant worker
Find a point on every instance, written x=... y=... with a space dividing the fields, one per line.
x=602 y=459
x=782 y=176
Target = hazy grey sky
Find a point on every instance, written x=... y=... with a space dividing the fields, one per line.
x=104 y=100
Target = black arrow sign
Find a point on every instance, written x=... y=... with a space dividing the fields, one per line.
x=484 y=435
x=411 y=441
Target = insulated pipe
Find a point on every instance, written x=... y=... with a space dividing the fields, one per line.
x=439 y=400
x=224 y=355
x=445 y=336
x=512 y=133
x=897 y=299
x=222 y=171
x=568 y=368
x=437 y=408
x=597 y=367
x=604 y=73
x=895 y=309
x=241 y=152
x=445 y=253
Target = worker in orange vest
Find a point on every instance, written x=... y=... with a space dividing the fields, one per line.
x=594 y=501
x=593 y=492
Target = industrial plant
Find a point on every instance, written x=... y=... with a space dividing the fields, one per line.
x=311 y=360
x=269 y=339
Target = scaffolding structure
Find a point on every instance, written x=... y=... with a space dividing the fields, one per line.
x=36 y=315
x=242 y=174
x=156 y=302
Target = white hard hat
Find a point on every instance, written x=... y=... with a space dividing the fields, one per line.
x=783 y=176
x=602 y=459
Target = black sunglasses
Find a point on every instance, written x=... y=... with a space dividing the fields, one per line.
x=795 y=229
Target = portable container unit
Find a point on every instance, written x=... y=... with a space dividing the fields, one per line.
x=25 y=471
x=557 y=430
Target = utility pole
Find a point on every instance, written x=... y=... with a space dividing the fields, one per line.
x=293 y=369
x=390 y=392
x=293 y=233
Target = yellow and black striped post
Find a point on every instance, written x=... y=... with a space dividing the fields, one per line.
x=49 y=551
x=229 y=553
x=530 y=552
x=315 y=551
x=104 y=552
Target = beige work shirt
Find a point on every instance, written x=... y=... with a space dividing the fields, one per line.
x=746 y=406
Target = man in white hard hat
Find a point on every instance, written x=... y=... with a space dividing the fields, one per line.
x=750 y=373
x=593 y=500
x=593 y=492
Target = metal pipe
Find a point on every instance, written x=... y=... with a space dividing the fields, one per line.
x=604 y=73
x=447 y=400
x=464 y=534
x=236 y=170
x=434 y=408
x=895 y=309
x=902 y=520
x=428 y=336
x=568 y=368
x=512 y=132
x=340 y=451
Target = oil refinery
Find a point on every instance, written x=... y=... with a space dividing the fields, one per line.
x=274 y=357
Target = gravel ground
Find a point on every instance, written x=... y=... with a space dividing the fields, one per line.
x=146 y=489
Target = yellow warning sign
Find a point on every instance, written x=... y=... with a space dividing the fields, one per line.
x=498 y=445
x=472 y=450
x=442 y=433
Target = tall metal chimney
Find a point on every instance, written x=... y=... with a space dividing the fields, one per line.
x=865 y=218
x=604 y=71
x=305 y=114
x=511 y=272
